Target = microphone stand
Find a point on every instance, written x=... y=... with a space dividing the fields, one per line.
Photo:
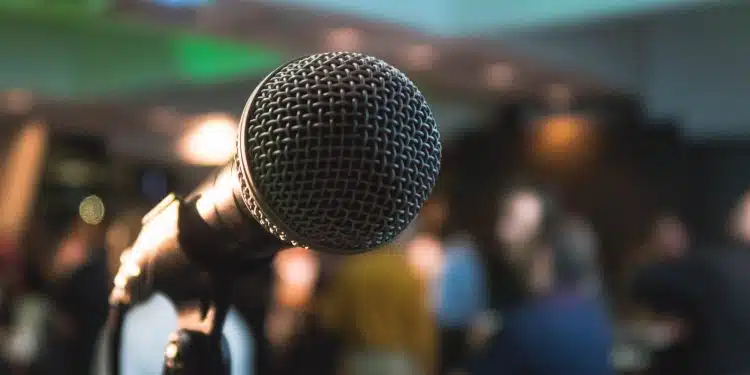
x=198 y=346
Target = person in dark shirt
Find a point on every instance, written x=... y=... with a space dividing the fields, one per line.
x=556 y=327
x=710 y=291
x=672 y=350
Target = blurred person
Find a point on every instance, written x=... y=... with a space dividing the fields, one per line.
x=77 y=281
x=579 y=245
x=709 y=291
x=425 y=250
x=297 y=271
x=425 y=254
x=661 y=330
x=307 y=348
x=147 y=325
x=25 y=306
x=462 y=296
x=377 y=305
x=669 y=239
x=253 y=299
x=555 y=326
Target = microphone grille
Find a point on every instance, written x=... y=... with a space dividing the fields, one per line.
x=337 y=152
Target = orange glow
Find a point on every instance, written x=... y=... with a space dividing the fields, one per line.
x=297 y=273
x=21 y=174
x=425 y=254
x=562 y=132
x=563 y=138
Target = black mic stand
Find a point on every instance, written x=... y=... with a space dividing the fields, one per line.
x=198 y=347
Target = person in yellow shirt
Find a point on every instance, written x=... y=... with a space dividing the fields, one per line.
x=378 y=307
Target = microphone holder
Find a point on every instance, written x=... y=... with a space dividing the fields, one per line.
x=195 y=353
x=198 y=346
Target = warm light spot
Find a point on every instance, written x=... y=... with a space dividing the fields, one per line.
x=425 y=254
x=171 y=351
x=210 y=141
x=297 y=272
x=562 y=132
x=564 y=139
x=91 y=210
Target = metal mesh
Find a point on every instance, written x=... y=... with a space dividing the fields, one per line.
x=343 y=150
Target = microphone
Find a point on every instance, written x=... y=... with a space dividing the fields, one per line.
x=336 y=152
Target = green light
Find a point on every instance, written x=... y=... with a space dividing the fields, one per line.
x=61 y=6
x=206 y=59
x=119 y=55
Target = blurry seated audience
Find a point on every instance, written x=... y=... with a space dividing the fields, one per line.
x=147 y=326
x=77 y=282
x=378 y=306
x=709 y=291
x=556 y=326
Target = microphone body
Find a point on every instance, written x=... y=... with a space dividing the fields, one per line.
x=336 y=152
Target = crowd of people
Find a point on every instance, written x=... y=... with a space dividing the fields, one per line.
x=528 y=299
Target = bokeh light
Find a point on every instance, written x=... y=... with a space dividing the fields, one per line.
x=91 y=210
x=297 y=272
x=210 y=141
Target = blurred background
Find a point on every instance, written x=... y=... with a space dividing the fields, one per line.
x=633 y=112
